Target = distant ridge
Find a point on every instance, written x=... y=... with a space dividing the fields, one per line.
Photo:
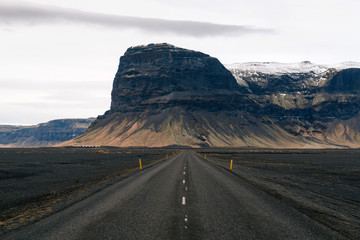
x=43 y=134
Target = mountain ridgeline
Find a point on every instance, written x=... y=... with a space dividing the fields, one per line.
x=43 y=134
x=168 y=96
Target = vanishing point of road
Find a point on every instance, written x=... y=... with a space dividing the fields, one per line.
x=183 y=197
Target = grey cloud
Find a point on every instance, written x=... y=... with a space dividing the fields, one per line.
x=38 y=14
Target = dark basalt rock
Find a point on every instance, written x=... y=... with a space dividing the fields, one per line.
x=345 y=81
x=158 y=76
x=162 y=73
x=280 y=83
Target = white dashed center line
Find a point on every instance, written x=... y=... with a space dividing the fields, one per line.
x=183 y=201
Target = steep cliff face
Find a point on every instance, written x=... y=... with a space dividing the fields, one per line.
x=159 y=74
x=43 y=134
x=345 y=81
x=168 y=96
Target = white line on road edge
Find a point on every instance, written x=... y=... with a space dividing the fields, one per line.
x=184 y=172
x=183 y=200
x=185 y=188
x=184 y=181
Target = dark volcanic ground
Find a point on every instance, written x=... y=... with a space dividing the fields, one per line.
x=323 y=184
x=37 y=182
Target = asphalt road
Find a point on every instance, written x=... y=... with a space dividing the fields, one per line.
x=184 y=197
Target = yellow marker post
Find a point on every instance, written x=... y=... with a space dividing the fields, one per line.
x=140 y=163
x=167 y=155
x=205 y=155
x=231 y=163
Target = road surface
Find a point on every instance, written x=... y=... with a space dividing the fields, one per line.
x=184 y=197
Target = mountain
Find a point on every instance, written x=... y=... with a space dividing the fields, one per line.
x=168 y=96
x=43 y=134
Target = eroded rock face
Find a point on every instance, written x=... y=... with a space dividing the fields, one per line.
x=345 y=81
x=163 y=74
x=168 y=96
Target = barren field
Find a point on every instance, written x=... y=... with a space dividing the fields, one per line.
x=323 y=184
x=37 y=182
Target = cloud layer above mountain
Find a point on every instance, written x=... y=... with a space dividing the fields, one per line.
x=38 y=14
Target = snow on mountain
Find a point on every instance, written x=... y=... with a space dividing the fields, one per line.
x=278 y=68
x=309 y=74
x=345 y=65
x=283 y=68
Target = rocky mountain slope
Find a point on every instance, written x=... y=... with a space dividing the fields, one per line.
x=43 y=134
x=168 y=96
x=262 y=77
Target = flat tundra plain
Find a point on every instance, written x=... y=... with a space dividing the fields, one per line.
x=322 y=185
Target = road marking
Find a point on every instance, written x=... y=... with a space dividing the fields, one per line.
x=184 y=172
x=140 y=166
x=184 y=181
x=186 y=221
x=183 y=200
x=185 y=188
x=184 y=167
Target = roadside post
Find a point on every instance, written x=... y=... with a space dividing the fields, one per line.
x=205 y=155
x=140 y=164
x=231 y=163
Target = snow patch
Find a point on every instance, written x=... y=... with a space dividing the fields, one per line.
x=258 y=71
x=283 y=68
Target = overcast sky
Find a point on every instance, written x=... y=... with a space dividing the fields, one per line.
x=58 y=58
